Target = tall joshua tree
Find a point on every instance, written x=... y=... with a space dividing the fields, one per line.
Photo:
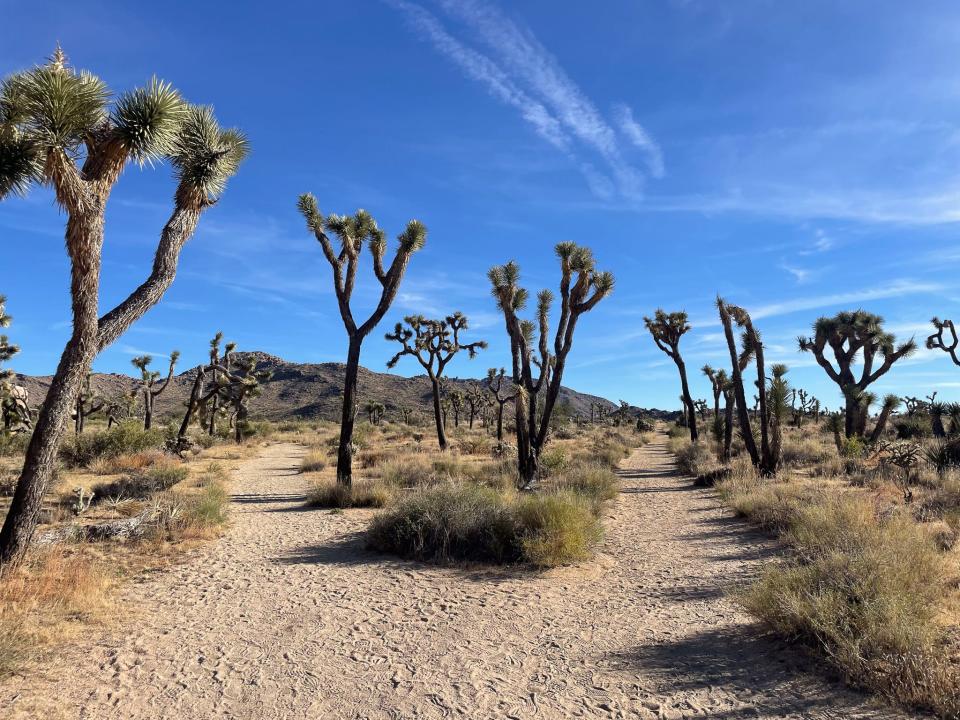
x=477 y=401
x=88 y=402
x=537 y=367
x=667 y=329
x=890 y=403
x=456 y=400
x=149 y=389
x=850 y=336
x=766 y=458
x=434 y=343
x=58 y=127
x=352 y=232
x=502 y=396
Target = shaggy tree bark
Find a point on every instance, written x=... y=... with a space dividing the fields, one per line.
x=738 y=363
x=352 y=232
x=152 y=123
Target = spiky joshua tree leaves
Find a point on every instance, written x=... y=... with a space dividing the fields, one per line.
x=59 y=127
x=667 y=329
x=352 y=232
x=852 y=337
x=537 y=366
x=434 y=343
x=150 y=386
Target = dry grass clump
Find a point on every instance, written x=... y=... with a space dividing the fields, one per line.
x=362 y=493
x=804 y=450
x=867 y=592
x=772 y=504
x=45 y=601
x=139 y=485
x=467 y=521
x=314 y=461
x=598 y=483
x=198 y=512
x=692 y=458
x=126 y=462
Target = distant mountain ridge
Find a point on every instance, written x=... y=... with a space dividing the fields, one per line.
x=307 y=390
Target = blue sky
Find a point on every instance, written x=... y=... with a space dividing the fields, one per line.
x=798 y=158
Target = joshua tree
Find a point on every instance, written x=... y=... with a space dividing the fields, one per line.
x=456 y=400
x=59 y=128
x=953 y=412
x=890 y=403
x=477 y=402
x=581 y=288
x=242 y=384
x=716 y=385
x=937 y=411
x=729 y=400
x=835 y=424
x=14 y=409
x=701 y=407
x=88 y=402
x=374 y=411
x=434 y=343
x=622 y=413
x=120 y=408
x=149 y=388
x=777 y=408
x=739 y=361
x=804 y=408
x=667 y=329
x=406 y=413
x=940 y=341
x=849 y=335
x=914 y=405
x=352 y=232
x=501 y=396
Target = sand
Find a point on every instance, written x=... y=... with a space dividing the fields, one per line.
x=288 y=616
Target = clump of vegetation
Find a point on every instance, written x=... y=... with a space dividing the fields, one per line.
x=469 y=522
x=143 y=484
x=361 y=493
x=867 y=591
x=123 y=439
x=693 y=458
x=597 y=483
x=314 y=461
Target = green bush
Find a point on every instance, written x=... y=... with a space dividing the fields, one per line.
x=313 y=461
x=556 y=528
x=693 y=458
x=13 y=443
x=553 y=461
x=129 y=437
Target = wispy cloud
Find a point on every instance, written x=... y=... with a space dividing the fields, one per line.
x=520 y=72
x=802 y=275
x=896 y=288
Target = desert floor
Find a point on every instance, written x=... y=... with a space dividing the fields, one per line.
x=288 y=616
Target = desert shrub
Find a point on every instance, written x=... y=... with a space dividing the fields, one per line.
x=140 y=485
x=867 y=592
x=126 y=462
x=448 y=467
x=853 y=447
x=802 y=451
x=645 y=425
x=712 y=477
x=452 y=522
x=772 y=504
x=677 y=431
x=553 y=461
x=943 y=455
x=362 y=493
x=313 y=461
x=408 y=472
x=556 y=528
x=943 y=500
x=913 y=427
x=13 y=443
x=470 y=522
x=693 y=458
x=204 y=440
x=375 y=457
x=129 y=437
x=597 y=483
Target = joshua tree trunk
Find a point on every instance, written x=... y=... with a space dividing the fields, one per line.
x=192 y=403
x=84 y=240
x=881 y=422
x=438 y=414
x=348 y=415
x=688 y=400
x=728 y=426
x=500 y=422
x=147 y=410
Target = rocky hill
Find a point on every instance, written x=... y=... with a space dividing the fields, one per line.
x=299 y=390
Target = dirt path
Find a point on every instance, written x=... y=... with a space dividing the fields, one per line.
x=289 y=617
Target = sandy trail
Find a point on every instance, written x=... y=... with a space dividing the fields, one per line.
x=289 y=617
